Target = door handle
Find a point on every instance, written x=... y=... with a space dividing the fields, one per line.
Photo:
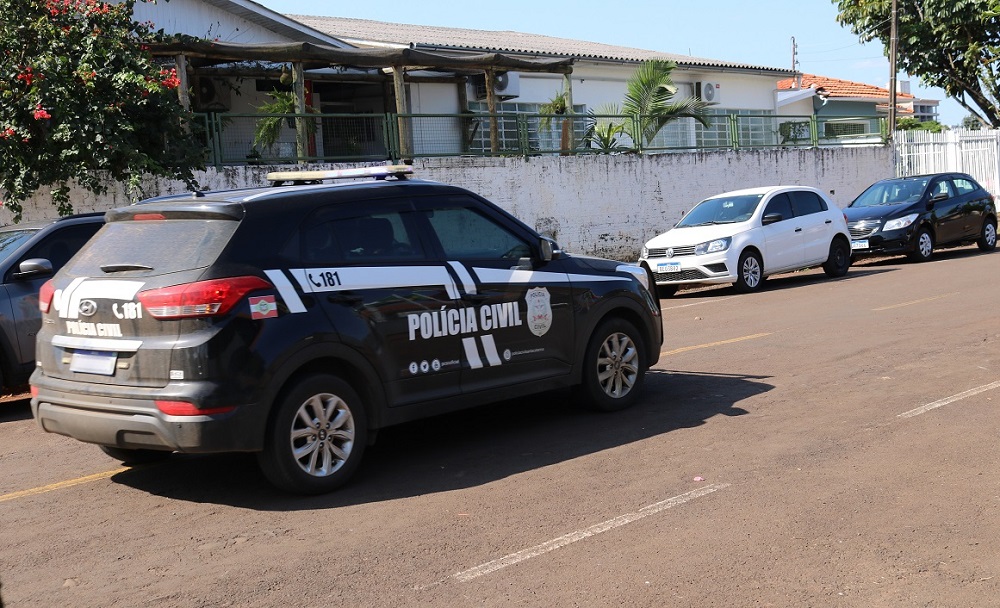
x=346 y=300
x=829 y=221
x=475 y=298
x=798 y=230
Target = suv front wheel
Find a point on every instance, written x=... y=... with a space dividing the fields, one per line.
x=317 y=436
x=613 y=366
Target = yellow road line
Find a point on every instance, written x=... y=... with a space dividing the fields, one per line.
x=69 y=483
x=921 y=301
x=685 y=349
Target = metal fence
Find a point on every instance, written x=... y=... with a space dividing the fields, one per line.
x=274 y=139
x=974 y=152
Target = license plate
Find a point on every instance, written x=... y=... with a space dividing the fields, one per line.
x=93 y=362
x=861 y=244
x=669 y=267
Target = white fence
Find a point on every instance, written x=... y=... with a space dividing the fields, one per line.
x=974 y=152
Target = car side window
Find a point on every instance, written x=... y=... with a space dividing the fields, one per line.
x=780 y=204
x=359 y=238
x=465 y=233
x=943 y=187
x=804 y=203
x=963 y=186
x=62 y=244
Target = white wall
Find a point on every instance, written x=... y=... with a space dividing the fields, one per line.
x=603 y=205
x=197 y=18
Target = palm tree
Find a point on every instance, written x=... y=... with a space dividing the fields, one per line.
x=649 y=101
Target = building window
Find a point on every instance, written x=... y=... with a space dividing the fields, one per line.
x=539 y=139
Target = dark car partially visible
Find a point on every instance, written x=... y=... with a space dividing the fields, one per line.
x=916 y=215
x=30 y=253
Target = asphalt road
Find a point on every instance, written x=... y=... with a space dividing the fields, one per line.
x=820 y=443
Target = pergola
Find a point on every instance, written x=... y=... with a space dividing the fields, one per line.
x=308 y=56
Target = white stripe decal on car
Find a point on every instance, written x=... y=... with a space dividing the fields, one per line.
x=472 y=353
x=122 y=346
x=320 y=280
x=68 y=301
x=491 y=350
x=286 y=290
x=468 y=283
x=521 y=277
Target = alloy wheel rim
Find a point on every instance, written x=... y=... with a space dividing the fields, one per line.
x=617 y=365
x=322 y=434
x=991 y=235
x=751 y=271
x=925 y=244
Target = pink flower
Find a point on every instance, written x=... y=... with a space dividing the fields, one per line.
x=40 y=113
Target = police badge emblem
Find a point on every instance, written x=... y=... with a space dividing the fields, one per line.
x=539 y=310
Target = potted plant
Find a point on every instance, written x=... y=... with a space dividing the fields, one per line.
x=280 y=109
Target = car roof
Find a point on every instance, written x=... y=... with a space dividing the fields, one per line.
x=763 y=190
x=96 y=216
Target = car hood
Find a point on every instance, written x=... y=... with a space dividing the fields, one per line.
x=879 y=211
x=696 y=234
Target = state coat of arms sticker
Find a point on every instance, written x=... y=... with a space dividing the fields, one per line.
x=539 y=310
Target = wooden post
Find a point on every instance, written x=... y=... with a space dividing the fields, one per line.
x=301 y=129
x=184 y=88
x=491 y=105
x=405 y=140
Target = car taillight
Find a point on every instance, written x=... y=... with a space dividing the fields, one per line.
x=183 y=408
x=201 y=299
x=45 y=296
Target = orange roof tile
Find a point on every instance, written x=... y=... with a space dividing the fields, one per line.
x=835 y=87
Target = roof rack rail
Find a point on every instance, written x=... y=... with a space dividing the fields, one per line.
x=279 y=178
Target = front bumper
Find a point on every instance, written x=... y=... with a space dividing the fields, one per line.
x=692 y=269
x=132 y=421
x=883 y=242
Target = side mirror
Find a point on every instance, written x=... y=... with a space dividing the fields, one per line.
x=33 y=267
x=771 y=218
x=549 y=249
x=941 y=196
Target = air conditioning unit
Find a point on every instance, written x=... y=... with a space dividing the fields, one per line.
x=708 y=91
x=506 y=85
x=211 y=95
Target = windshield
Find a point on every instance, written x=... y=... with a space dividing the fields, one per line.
x=722 y=210
x=892 y=192
x=10 y=240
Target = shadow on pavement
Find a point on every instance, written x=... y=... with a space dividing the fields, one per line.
x=465 y=449
x=15 y=409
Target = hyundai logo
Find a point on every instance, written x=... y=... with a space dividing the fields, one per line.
x=88 y=307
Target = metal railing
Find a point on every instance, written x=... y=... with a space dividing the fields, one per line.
x=275 y=139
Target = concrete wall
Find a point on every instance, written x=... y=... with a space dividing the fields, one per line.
x=601 y=205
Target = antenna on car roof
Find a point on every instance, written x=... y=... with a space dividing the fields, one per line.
x=279 y=178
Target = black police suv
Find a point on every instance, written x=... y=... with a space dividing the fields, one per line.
x=296 y=320
x=30 y=253
x=915 y=215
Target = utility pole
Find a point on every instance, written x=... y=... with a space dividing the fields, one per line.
x=893 y=35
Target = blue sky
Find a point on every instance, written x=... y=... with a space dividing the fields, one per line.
x=730 y=30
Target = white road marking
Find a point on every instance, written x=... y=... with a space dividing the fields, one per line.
x=712 y=301
x=567 y=539
x=942 y=402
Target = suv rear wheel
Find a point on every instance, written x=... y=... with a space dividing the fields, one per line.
x=317 y=436
x=613 y=366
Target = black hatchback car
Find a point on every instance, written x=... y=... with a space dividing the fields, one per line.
x=915 y=215
x=295 y=321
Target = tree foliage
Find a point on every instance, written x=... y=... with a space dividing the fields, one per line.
x=909 y=123
x=951 y=44
x=82 y=100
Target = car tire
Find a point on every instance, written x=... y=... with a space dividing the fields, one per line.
x=666 y=291
x=749 y=272
x=988 y=235
x=614 y=366
x=135 y=456
x=923 y=247
x=316 y=437
x=839 y=261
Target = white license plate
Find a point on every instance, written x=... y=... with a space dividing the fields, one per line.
x=669 y=267
x=93 y=362
x=861 y=244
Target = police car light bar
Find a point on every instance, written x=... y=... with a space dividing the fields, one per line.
x=302 y=177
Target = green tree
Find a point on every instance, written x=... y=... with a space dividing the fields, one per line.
x=908 y=123
x=649 y=104
x=951 y=44
x=82 y=100
x=972 y=123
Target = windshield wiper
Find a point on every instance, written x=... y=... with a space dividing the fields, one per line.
x=124 y=267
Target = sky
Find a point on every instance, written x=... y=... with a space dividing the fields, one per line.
x=758 y=33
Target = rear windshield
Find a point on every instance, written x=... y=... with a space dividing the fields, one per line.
x=161 y=245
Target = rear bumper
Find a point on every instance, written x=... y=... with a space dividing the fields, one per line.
x=134 y=422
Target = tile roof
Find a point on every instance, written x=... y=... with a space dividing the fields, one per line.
x=835 y=87
x=363 y=32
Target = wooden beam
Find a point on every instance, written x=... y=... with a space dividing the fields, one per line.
x=405 y=139
x=491 y=107
x=184 y=88
x=301 y=129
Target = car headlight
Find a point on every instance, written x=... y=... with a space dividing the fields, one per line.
x=713 y=246
x=645 y=252
x=900 y=222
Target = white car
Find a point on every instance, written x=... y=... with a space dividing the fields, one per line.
x=742 y=237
